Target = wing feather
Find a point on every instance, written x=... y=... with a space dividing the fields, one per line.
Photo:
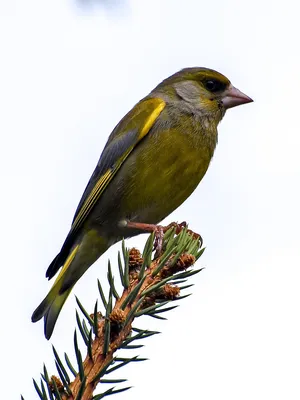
x=126 y=135
x=151 y=109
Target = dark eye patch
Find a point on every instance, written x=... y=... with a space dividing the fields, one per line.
x=214 y=85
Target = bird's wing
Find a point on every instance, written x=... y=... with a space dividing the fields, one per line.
x=123 y=139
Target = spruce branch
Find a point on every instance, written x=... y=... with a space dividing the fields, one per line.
x=149 y=284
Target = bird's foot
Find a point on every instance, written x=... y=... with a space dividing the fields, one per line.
x=179 y=227
x=159 y=232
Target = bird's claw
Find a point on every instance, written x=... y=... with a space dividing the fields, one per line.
x=158 y=242
x=161 y=230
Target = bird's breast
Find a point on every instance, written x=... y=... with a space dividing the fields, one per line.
x=162 y=172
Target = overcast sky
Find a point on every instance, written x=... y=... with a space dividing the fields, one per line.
x=67 y=75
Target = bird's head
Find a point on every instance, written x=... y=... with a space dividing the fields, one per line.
x=203 y=89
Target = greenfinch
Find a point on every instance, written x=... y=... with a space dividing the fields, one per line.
x=153 y=160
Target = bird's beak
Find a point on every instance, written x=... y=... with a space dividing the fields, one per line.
x=234 y=97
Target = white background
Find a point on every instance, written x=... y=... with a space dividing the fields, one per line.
x=68 y=73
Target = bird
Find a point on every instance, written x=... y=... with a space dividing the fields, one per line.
x=153 y=160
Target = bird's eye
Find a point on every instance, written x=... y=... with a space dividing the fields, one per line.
x=212 y=85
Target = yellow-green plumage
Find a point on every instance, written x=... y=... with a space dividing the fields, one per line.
x=81 y=256
x=153 y=160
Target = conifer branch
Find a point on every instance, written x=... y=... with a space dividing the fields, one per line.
x=148 y=286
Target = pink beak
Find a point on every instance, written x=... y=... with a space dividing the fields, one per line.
x=234 y=97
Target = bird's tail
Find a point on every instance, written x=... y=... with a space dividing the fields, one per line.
x=81 y=257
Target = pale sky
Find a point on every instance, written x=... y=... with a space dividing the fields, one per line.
x=67 y=75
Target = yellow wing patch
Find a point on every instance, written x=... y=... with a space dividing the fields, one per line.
x=98 y=188
x=67 y=263
x=104 y=180
x=151 y=119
